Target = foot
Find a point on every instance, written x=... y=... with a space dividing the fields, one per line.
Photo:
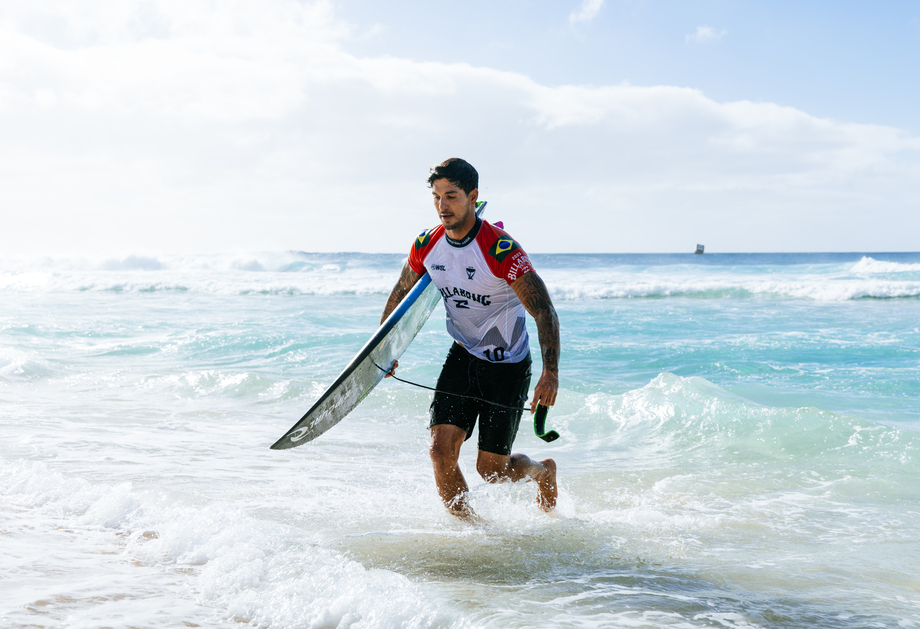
x=468 y=517
x=460 y=508
x=546 y=480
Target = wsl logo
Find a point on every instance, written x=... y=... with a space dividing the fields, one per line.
x=470 y=272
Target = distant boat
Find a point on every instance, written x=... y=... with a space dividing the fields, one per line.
x=699 y=250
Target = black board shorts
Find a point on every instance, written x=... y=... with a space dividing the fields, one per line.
x=504 y=383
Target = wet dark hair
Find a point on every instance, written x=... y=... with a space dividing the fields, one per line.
x=457 y=171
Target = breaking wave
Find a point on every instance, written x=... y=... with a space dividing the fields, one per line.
x=570 y=277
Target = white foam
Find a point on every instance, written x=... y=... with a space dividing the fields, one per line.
x=359 y=282
x=818 y=288
x=869 y=265
x=251 y=570
x=294 y=273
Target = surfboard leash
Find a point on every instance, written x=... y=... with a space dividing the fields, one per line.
x=539 y=418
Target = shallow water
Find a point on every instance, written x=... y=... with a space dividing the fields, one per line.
x=739 y=449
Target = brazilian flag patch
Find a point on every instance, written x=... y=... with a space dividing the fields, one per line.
x=423 y=239
x=502 y=247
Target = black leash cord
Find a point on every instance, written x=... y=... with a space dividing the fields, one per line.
x=471 y=397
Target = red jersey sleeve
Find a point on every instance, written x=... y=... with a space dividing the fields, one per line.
x=421 y=247
x=505 y=257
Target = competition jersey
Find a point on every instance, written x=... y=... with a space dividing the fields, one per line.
x=474 y=276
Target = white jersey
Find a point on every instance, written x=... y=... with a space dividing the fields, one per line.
x=474 y=277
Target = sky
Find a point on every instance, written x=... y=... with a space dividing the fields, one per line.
x=184 y=126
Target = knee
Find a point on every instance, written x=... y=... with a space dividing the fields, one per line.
x=520 y=461
x=444 y=449
x=491 y=473
x=441 y=454
x=484 y=471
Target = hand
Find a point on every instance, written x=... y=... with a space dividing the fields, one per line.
x=392 y=371
x=545 y=391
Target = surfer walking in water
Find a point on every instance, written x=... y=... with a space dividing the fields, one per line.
x=488 y=285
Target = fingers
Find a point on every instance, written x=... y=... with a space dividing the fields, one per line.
x=545 y=391
x=544 y=398
x=392 y=371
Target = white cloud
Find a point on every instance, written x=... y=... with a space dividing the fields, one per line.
x=238 y=62
x=586 y=11
x=229 y=128
x=706 y=35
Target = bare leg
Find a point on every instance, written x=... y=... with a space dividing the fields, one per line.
x=498 y=468
x=445 y=454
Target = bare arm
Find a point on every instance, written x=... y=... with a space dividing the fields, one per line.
x=407 y=279
x=532 y=292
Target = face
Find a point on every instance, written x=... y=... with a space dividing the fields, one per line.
x=456 y=209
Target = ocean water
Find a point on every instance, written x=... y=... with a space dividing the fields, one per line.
x=740 y=448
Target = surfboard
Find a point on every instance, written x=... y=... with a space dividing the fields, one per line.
x=369 y=366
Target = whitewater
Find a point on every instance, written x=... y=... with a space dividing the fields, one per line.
x=739 y=448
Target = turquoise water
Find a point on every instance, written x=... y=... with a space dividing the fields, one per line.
x=739 y=448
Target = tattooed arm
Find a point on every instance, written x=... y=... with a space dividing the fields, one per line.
x=407 y=279
x=532 y=292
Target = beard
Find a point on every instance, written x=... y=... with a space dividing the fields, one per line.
x=456 y=221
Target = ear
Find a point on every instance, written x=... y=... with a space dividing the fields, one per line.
x=473 y=195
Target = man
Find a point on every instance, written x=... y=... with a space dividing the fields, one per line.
x=487 y=282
